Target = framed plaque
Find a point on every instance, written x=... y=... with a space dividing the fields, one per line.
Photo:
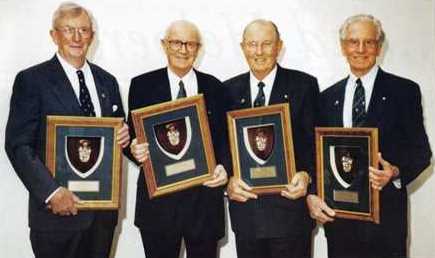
x=181 y=152
x=83 y=156
x=343 y=159
x=262 y=147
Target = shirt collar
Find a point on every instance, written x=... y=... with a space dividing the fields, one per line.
x=268 y=80
x=368 y=80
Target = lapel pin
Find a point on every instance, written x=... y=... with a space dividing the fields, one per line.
x=103 y=95
x=285 y=96
x=336 y=103
x=114 y=108
x=384 y=98
x=242 y=101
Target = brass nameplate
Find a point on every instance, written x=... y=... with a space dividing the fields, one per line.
x=262 y=172
x=346 y=196
x=180 y=167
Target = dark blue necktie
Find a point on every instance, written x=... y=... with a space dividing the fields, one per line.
x=181 y=91
x=359 y=105
x=84 y=96
x=260 y=100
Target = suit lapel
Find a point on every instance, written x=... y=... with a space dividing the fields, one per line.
x=62 y=87
x=244 y=95
x=336 y=113
x=102 y=92
x=376 y=101
x=281 y=88
x=164 y=88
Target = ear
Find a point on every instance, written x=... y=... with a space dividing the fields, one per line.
x=54 y=36
x=279 y=46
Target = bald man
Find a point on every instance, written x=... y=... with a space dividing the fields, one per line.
x=197 y=214
x=273 y=225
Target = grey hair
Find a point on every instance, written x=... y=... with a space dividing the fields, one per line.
x=262 y=22
x=71 y=9
x=183 y=23
x=380 y=34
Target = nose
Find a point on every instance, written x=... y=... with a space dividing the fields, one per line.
x=259 y=50
x=183 y=48
x=361 y=46
x=76 y=36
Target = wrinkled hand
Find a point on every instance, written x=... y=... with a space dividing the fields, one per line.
x=123 y=136
x=297 y=187
x=319 y=210
x=63 y=203
x=220 y=177
x=380 y=177
x=139 y=151
x=239 y=191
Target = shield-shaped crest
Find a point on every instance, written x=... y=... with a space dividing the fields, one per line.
x=259 y=141
x=84 y=154
x=174 y=137
x=344 y=164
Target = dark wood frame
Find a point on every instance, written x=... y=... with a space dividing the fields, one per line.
x=284 y=111
x=160 y=109
x=92 y=122
x=372 y=136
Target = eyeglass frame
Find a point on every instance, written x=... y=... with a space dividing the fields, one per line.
x=68 y=31
x=176 y=45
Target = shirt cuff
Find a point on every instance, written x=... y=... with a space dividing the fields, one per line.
x=51 y=195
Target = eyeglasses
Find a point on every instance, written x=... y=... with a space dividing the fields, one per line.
x=178 y=44
x=254 y=45
x=67 y=31
x=368 y=43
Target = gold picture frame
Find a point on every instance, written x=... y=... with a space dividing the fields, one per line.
x=83 y=156
x=261 y=145
x=343 y=158
x=181 y=153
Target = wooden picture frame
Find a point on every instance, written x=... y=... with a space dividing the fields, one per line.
x=181 y=153
x=262 y=147
x=83 y=156
x=343 y=158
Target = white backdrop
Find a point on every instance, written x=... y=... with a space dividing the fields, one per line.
x=128 y=44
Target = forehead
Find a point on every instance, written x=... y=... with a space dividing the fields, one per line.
x=73 y=19
x=259 y=32
x=361 y=29
x=183 y=32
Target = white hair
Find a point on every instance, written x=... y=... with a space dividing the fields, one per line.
x=380 y=34
x=71 y=9
x=186 y=23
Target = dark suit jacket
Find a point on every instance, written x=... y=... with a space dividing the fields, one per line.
x=275 y=216
x=198 y=213
x=395 y=109
x=40 y=91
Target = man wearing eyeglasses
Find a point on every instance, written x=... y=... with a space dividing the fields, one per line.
x=67 y=85
x=371 y=97
x=197 y=214
x=275 y=226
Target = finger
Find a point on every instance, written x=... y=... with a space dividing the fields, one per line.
x=383 y=162
x=327 y=209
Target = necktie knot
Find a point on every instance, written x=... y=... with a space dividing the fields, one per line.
x=182 y=90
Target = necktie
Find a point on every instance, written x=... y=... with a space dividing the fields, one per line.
x=84 y=96
x=182 y=91
x=359 y=105
x=260 y=100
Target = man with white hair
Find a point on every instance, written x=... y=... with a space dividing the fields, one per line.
x=196 y=214
x=371 y=97
x=69 y=85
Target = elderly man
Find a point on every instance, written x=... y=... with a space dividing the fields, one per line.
x=65 y=85
x=273 y=225
x=197 y=214
x=371 y=97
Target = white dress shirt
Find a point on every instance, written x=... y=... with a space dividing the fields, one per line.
x=189 y=80
x=268 y=84
x=71 y=73
x=368 y=81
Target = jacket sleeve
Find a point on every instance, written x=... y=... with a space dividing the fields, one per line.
x=22 y=136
